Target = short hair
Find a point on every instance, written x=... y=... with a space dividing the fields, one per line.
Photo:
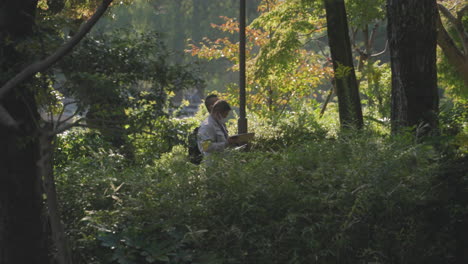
x=208 y=103
x=221 y=106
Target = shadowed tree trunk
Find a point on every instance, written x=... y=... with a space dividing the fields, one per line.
x=412 y=41
x=22 y=163
x=345 y=78
x=22 y=236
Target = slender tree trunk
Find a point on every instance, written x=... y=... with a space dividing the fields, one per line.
x=22 y=235
x=412 y=38
x=327 y=100
x=46 y=171
x=178 y=39
x=340 y=48
x=196 y=20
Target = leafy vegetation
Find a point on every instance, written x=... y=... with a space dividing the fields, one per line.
x=298 y=196
x=304 y=191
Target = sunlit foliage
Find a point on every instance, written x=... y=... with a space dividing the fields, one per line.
x=280 y=68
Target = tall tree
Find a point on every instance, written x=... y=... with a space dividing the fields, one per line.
x=412 y=41
x=22 y=236
x=22 y=164
x=345 y=77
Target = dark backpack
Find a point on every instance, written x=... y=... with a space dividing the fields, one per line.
x=195 y=156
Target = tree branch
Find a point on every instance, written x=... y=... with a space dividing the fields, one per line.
x=64 y=128
x=59 y=123
x=382 y=52
x=6 y=119
x=464 y=33
x=447 y=13
x=457 y=23
x=62 y=51
x=462 y=12
x=329 y=96
x=451 y=51
x=62 y=111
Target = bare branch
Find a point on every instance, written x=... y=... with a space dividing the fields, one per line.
x=70 y=103
x=329 y=96
x=62 y=111
x=454 y=5
x=451 y=51
x=289 y=96
x=6 y=119
x=318 y=37
x=63 y=128
x=62 y=51
x=457 y=23
x=307 y=34
x=60 y=123
x=382 y=52
x=447 y=13
x=462 y=12
x=105 y=121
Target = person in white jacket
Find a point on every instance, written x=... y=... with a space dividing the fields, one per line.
x=213 y=135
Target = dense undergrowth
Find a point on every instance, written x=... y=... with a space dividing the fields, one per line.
x=298 y=196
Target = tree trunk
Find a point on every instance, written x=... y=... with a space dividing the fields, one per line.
x=345 y=78
x=23 y=238
x=178 y=38
x=22 y=235
x=45 y=168
x=412 y=38
x=196 y=20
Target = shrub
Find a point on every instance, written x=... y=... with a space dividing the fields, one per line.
x=357 y=198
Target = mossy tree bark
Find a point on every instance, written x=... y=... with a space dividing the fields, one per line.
x=347 y=89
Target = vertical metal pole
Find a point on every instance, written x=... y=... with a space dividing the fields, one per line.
x=242 y=122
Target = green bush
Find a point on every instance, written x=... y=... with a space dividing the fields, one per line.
x=355 y=199
x=293 y=127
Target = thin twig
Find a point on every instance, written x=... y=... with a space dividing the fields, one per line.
x=382 y=52
x=60 y=123
x=327 y=100
x=64 y=128
x=6 y=119
x=62 y=111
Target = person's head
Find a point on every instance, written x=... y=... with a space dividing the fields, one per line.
x=210 y=100
x=220 y=109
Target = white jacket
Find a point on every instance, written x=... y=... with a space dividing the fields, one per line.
x=212 y=136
